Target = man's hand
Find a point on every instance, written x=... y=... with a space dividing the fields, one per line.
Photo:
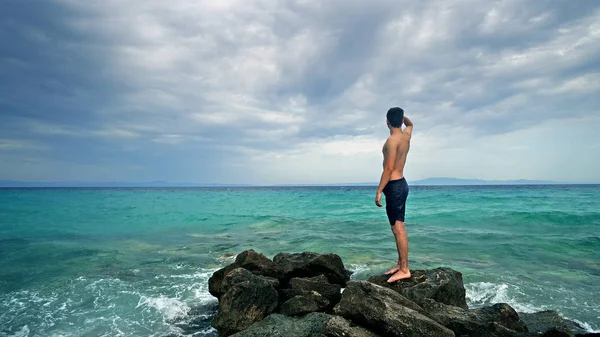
x=378 y=199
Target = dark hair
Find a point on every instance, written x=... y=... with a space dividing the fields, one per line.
x=395 y=116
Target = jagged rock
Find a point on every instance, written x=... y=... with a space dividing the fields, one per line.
x=310 y=264
x=250 y=260
x=559 y=332
x=303 y=286
x=542 y=321
x=304 y=304
x=496 y=330
x=443 y=285
x=337 y=326
x=379 y=309
x=466 y=322
x=248 y=298
x=277 y=325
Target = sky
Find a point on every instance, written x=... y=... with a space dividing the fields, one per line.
x=285 y=92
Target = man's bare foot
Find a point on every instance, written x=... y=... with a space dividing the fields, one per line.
x=400 y=275
x=393 y=270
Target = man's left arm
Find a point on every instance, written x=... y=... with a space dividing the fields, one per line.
x=386 y=175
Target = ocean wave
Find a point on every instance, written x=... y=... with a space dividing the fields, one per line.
x=484 y=293
x=479 y=294
x=170 y=308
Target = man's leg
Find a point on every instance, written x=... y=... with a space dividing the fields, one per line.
x=401 y=270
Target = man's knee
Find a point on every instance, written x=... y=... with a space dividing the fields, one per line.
x=398 y=227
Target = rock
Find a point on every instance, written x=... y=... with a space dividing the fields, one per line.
x=337 y=326
x=310 y=264
x=304 y=304
x=466 y=322
x=381 y=310
x=302 y=286
x=277 y=325
x=248 y=298
x=558 y=332
x=250 y=260
x=496 y=330
x=542 y=321
x=443 y=285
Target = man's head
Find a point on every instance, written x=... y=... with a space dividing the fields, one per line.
x=395 y=117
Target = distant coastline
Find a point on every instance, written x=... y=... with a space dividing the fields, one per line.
x=164 y=184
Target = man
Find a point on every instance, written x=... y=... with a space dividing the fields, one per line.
x=394 y=186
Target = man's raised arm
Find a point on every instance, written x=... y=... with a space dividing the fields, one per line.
x=409 y=126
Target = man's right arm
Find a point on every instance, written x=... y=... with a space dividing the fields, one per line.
x=409 y=126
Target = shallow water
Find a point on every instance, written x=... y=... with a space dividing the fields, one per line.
x=135 y=262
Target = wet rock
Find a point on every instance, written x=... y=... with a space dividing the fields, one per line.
x=559 y=332
x=247 y=299
x=337 y=326
x=443 y=285
x=319 y=284
x=250 y=260
x=277 y=325
x=310 y=264
x=467 y=322
x=304 y=304
x=496 y=330
x=379 y=309
x=542 y=321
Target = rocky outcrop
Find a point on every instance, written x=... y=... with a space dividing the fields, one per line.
x=308 y=264
x=543 y=321
x=465 y=321
x=320 y=284
x=301 y=295
x=278 y=325
x=247 y=299
x=382 y=310
x=337 y=326
x=442 y=285
x=251 y=261
x=305 y=304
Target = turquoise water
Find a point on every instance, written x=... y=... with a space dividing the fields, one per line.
x=135 y=262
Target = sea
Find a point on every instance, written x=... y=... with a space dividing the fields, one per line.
x=136 y=261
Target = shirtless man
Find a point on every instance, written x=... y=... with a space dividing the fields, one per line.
x=394 y=186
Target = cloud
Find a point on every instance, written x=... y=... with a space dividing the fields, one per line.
x=226 y=86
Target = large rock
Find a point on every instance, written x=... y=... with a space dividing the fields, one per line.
x=496 y=330
x=319 y=284
x=558 y=332
x=248 y=298
x=277 y=325
x=381 y=310
x=542 y=321
x=443 y=285
x=250 y=260
x=310 y=264
x=468 y=322
x=337 y=326
x=304 y=304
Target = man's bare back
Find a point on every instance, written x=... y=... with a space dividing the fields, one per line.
x=399 y=141
x=395 y=188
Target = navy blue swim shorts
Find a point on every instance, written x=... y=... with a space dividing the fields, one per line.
x=396 y=192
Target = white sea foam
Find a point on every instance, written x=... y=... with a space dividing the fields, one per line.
x=24 y=332
x=170 y=308
x=586 y=326
x=483 y=293
x=358 y=269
